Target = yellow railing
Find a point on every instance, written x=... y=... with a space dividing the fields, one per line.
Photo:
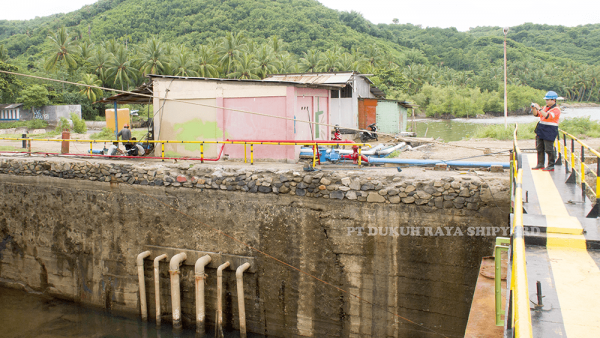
x=577 y=167
x=162 y=143
x=518 y=315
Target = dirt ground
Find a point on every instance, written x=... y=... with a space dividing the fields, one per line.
x=483 y=150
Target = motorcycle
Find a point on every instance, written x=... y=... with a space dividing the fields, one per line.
x=366 y=136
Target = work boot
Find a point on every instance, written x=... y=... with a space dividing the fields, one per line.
x=551 y=161
x=541 y=159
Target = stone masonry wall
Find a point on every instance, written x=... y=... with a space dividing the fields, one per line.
x=446 y=192
x=72 y=229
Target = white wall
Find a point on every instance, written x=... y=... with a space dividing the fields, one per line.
x=341 y=112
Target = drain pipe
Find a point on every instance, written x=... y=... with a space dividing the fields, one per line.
x=200 y=309
x=142 y=282
x=219 y=328
x=239 y=276
x=175 y=297
x=157 y=287
x=376 y=160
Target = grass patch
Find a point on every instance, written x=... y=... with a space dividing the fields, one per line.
x=581 y=127
x=108 y=134
x=11 y=148
x=498 y=132
x=32 y=124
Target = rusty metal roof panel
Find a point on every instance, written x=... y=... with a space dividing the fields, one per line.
x=313 y=78
x=10 y=105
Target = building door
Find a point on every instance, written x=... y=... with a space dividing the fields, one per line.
x=367 y=112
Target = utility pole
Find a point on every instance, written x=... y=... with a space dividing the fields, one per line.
x=505 y=96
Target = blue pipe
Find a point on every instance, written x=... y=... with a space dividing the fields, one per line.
x=376 y=160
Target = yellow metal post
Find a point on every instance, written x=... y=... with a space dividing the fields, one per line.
x=252 y=154
x=582 y=170
x=314 y=161
x=202 y=152
x=29 y=146
x=162 y=146
x=91 y=147
x=245 y=161
x=359 y=155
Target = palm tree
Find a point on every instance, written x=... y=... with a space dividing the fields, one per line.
x=207 y=62
x=277 y=44
x=246 y=67
x=99 y=61
x=287 y=64
x=91 y=92
x=373 y=55
x=62 y=49
x=181 y=63
x=111 y=46
x=329 y=61
x=265 y=59
x=347 y=62
x=230 y=48
x=310 y=62
x=86 y=49
x=121 y=69
x=152 y=57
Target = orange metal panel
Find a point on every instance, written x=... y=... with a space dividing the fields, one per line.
x=367 y=112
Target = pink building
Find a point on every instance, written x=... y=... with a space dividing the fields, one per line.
x=209 y=109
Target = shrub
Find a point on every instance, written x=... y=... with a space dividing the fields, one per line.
x=581 y=127
x=36 y=124
x=498 y=132
x=105 y=134
x=78 y=124
x=63 y=125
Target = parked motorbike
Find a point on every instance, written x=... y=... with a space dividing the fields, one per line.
x=366 y=136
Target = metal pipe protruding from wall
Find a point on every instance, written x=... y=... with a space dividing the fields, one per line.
x=200 y=308
x=175 y=296
x=142 y=282
x=219 y=328
x=157 y=286
x=239 y=276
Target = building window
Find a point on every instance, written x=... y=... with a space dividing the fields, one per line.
x=345 y=92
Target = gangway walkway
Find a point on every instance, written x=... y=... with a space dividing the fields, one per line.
x=561 y=249
x=561 y=253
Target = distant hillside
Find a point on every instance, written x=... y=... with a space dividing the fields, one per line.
x=254 y=38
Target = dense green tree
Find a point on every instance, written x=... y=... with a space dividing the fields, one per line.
x=34 y=96
x=9 y=84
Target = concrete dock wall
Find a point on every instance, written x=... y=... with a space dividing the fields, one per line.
x=78 y=239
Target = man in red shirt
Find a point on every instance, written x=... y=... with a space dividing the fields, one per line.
x=546 y=131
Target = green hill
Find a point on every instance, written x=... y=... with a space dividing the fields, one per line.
x=116 y=42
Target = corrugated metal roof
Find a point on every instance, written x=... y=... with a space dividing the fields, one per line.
x=10 y=105
x=273 y=81
x=314 y=78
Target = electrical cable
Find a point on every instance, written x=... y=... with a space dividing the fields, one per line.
x=230 y=109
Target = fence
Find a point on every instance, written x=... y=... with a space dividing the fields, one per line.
x=314 y=144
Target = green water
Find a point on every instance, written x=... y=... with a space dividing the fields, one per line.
x=446 y=130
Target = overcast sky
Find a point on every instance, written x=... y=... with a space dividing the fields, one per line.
x=461 y=14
